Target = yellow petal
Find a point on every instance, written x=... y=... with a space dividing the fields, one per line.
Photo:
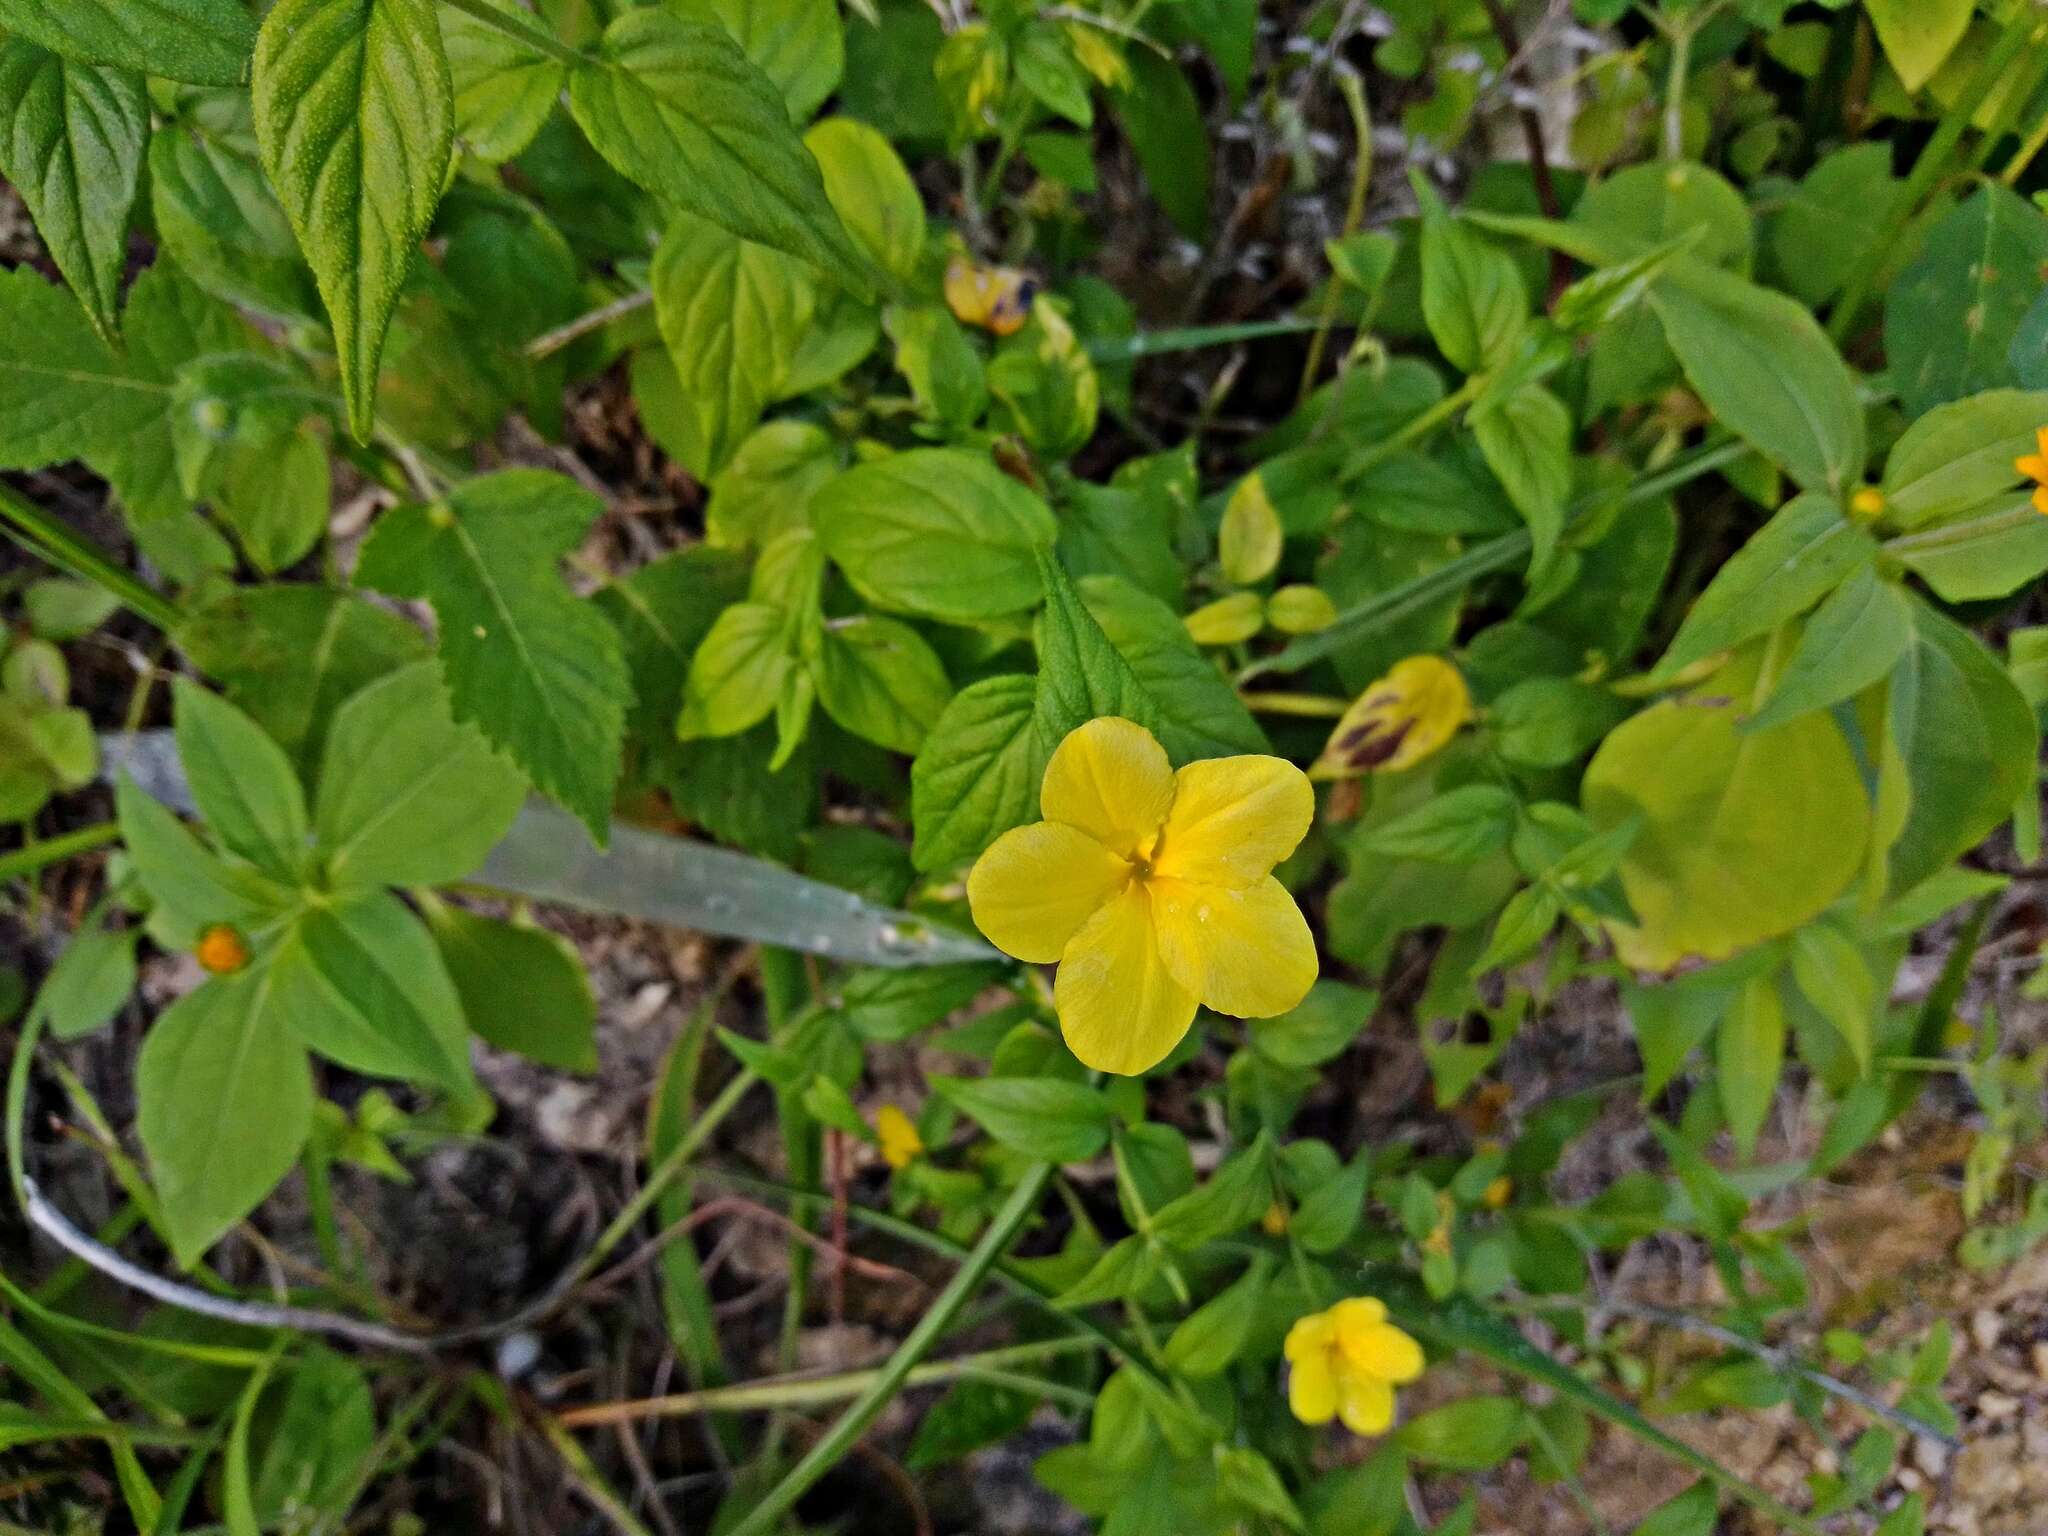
x=1312 y=1389
x=1119 y=1008
x=1383 y=1351
x=1356 y=1314
x=1397 y=722
x=898 y=1135
x=1310 y=1335
x=1112 y=780
x=2041 y=499
x=1366 y=1405
x=1247 y=953
x=1034 y=887
x=2033 y=465
x=1233 y=819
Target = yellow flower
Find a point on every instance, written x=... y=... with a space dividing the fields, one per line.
x=1498 y=1193
x=997 y=299
x=901 y=1145
x=1346 y=1363
x=1153 y=890
x=1274 y=1222
x=2035 y=467
x=222 y=951
x=1404 y=717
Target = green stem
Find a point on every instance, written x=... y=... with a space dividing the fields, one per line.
x=40 y=856
x=44 y=535
x=1416 y=428
x=895 y=1373
x=760 y=1395
x=514 y=24
x=1354 y=213
x=668 y=1170
x=2024 y=28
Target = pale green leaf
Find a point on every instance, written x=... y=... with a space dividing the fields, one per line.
x=1749 y=1054
x=881 y=680
x=242 y=782
x=871 y=191
x=504 y=87
x=798 y=44
x=1917 y=35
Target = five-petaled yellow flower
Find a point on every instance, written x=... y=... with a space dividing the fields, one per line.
x=1153 y=890
x=897 y=1133
x=2035 y=467
x=1346 y=1362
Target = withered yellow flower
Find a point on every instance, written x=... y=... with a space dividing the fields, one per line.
x=2035 y=467
x=1153 y=890
x=901 y=1145
x=1403 y=718
x=997 y=299
x=1346 y=1362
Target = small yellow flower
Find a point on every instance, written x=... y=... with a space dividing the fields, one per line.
x=1407 y=715
x=1346 y=1363
x=1498 y=1193
x=997 y=299
x=222 y=950
x=1153 y=890
x=1866 y=503
x=1274 y=1222
x=901 y=1145
x=2035 y=467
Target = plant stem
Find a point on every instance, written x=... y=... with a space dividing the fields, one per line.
x=1416 y=427
x=799 y=1391
x=548 y=343
x=2024 y=28
x=40 y=856
x=895 y=1373
x=1305 y=706
x=1353 y=90
x=44 y=535
x=514 y=24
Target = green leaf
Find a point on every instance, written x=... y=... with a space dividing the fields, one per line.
x=678 y=108
x=290 y=655
x=972 y=1414
x=1469 y=1435
x=224 y=1101
x=202 y=42
x=1047 y=68
x=1248 y=1480
x=504 y=87
x=765 y=490
x=1236 y=1195
x=1472 y=294
x=1333 y=1210
x=1958 y=458
x=1805 y=551
x=408 y=796
x=361 y=982
x=738 y=673
x=1194 y=710
x=1316 y=1029
x=324 y=1426
x=662 y=611
x=243 y=783
x=1994 y=551
x=798 y=44
x=537 y=669
x=1695 y=1512
x=63 y=392
x=71 y=143
x=733 y=314
x=1455 y=827
x=1162 y=118
x=1765 y=368
x=355 y=116
x=1547 y=722
x=904 y=529
x=217 y=215
x=871 y=191
x=1853 y=639
x=1211 y=1336
x=522 y=988
x=1248 y=542
x=1968 y=742
x=1917 y=35
x=1744 y=835
x=193 y=886
x=1950 y=317
x=1749 y=1053
x=1527 y=442
x=90 y=981
x=1844 y=204
x=1831 y=971
x=1039 y=1117
x=882 y=681
x=1081 y=676
x=894 y=1004
x=977 y=774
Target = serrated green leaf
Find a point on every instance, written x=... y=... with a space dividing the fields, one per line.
x=71 y=143
x=537 y=669
x=224 y=1102
x=203 y=42
x=408 y=796
x=1196 y=711
x=355 y=116
x=977 y=773
x=678 y=108
x=362 y=983
x=64 y=393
